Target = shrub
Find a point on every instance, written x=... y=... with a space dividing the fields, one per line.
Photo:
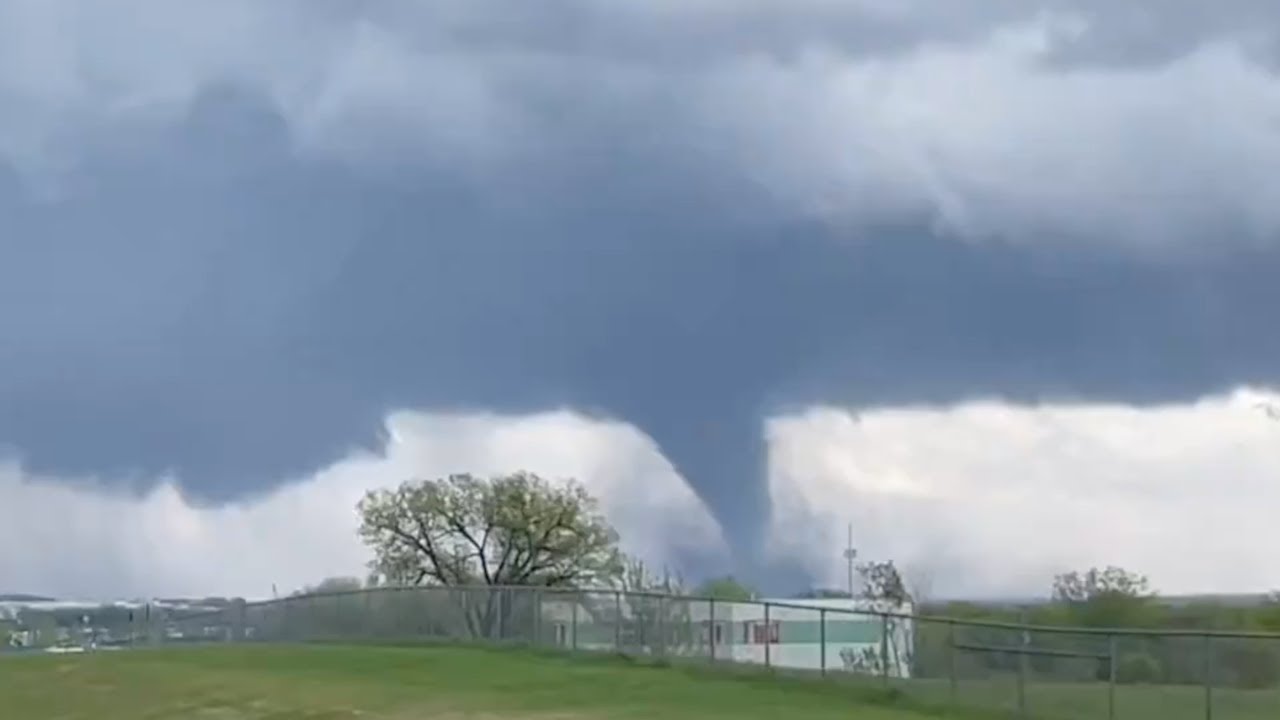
x=1136 y=668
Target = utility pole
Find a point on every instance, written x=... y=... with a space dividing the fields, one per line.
x=850 y=554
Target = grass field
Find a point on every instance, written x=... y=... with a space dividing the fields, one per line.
x=257 y=682
x=1087 y=701
x=373 y=683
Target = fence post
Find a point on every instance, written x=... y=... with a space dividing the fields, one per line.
x=884 y=649
x=617 y=621
x=768 y=637
x=688 y=628
x=318 y=619
x=399 y=614
x=711 y=627
x=1111 y=677
x=574 y=625
x=951 y=664
x=822 y=641
x=502 y=614
x=147 y=626
x=1208 y=677
x=1024 y=640
x=238 y=613
x=468 y=627
x=663 y=629
x=537 y=617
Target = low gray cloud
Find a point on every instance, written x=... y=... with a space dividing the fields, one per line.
x=110 y=544
x=233 y=237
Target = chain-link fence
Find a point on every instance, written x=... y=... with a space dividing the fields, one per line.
x=48 y=626
x=1018 y=671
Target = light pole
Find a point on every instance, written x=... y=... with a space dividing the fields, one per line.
x=850 y=554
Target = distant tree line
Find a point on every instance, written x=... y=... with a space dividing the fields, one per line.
x=1113 y=598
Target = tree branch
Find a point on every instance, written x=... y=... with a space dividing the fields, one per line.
x=460 y=527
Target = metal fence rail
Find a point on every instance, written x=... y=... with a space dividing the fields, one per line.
x=1020 y=671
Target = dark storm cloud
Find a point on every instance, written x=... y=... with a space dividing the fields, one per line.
x=200 y=296
x=236 y=321
x=1145 y=33
x=1091 y=31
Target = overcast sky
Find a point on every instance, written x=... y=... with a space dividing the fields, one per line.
x=988 y=277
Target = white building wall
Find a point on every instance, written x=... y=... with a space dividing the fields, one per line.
x=740 y=647
x=734 y=629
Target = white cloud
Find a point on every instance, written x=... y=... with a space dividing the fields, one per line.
x=985 y=498
x=79 y=540
x=982 y=133
x=992 y=499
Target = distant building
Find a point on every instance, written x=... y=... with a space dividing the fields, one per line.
x=8 y=632
x=838 y=634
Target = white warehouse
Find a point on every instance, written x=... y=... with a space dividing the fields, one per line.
x=832 y=634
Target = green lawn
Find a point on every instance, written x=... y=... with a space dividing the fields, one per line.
x=1087 y=701
x=376 y=683
x=261 y=682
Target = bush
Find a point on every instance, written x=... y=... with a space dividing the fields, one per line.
x=1249 y=664
x=1135 y=668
